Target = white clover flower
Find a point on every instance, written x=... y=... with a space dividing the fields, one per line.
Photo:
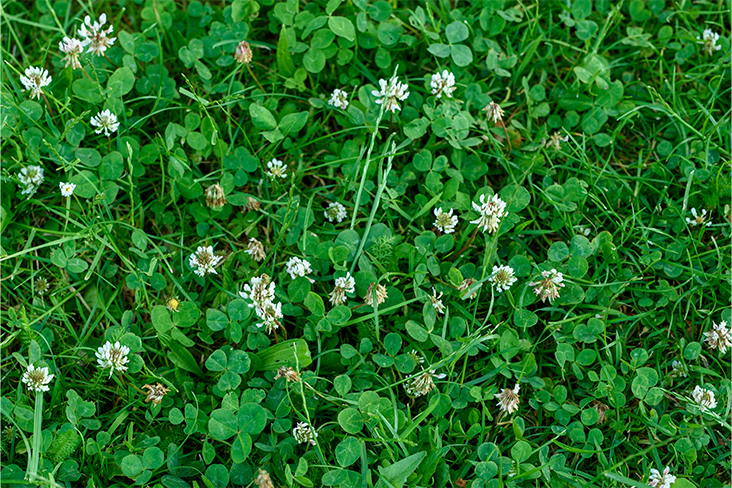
x=30 y=177
x=95 y=36
x=67 y=189
x=276 y=168
x=661 y=480
x=261 y=291
x=704 y=398
x=298 y=267
x=335 y=211
x=304 y=433
x=422 y=383
x=699 y=218
x=491 y=212
x=494 y=111
x=155 y=393
x=508 y=400
x=263 y=479
x=555 y=141
x=72 y=48
x=443 y=84
x=381 y=295
x=343 y=285
x=113 y=356
x=678 y=369
x=106 y=122
x=37 y=379
x=391 y=93
x=339 y=99
x=34 y=81
x=416 y=356
x=215 y=196
x=437 y=301
x=255 y=249
x=445 y=221
x=243 y=53
x=503 y=278
x=709 y=39
x=719 y=337
x=464 y=286
x=548 y=288
x=204 y=261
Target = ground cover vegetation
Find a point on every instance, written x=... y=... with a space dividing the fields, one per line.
x=366 y=243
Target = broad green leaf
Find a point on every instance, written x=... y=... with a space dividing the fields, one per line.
x=343 y=27
x=261 y=117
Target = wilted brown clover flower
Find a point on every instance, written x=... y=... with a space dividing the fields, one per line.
x=243 y=53
x=289 y=373
x=381 y=295
x=156 y=393
x=215 y=197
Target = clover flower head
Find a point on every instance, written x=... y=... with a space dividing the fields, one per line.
x=699 y=218
x=335 y=212
x=678 y=369
x=704 y=398
x=555 y=141
x=113 y=356
x=261 y=292
x=72 y=48
x=35 y=80
x=67 y=189
x=719 y=337
x=494 y=111
x=464 y=286
x=661 y=479
x=276 y=168
x=37 y=379
x=106 y=122
x=343 y=285
x=243 y=53
x=437 y=301
x=443 y=84
x=445 y=221
x=255 y=249
x=42 y=286
x=381 y=295
x=601 y=408
x=173 y=304
x=204 y=261
x=339 y=99
x=709 y=40
x=503 y=278
x=297 y=267
x=215 y=197
x=391 y=93
x=422 y=383
x=155 y=393
x=548 y=287
x=287 y=372
x=30 y=178
x=304 y=433
x=263 y=480
x=508 y=400
x=252 y=204
x=95 y=36
x=491 y=211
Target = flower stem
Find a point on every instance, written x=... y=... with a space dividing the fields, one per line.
x=255 y=78
x=32 y=473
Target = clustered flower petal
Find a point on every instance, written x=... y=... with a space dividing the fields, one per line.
x=464 y=286
x=113 y=356
x=67 y=189
x=548 y=288
x=243 y=53
x=600 y=408
x=343 y=285
x=287 y=372
x=261 y=291
x=335 y=212
x=443 y=84
x=30 y=178
x=445 y=221
x=699 y=218
x=215 y=197
x=34 y=81
x=173 y=304
x=437 y=301
x=204 y=261
x=263 y=480
x=391 y=93
x=491 y=211
x=95 y=36
x=106 y=122
x=72 y=48
x=381 y=295
x=304 y=433
x=255 y=249
x=661 y=479
x=719 y=337
x=422 y=383
x=508 y=400
x=276 y=168
x=709 y=39
x=156 y=393
x=494 y=111
x=37 y=379
x=503 y=277
x=298 y=267
x=555 y=141
x=252 y=204
x=678 y=369
x=704 y=398
x=339 y=99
